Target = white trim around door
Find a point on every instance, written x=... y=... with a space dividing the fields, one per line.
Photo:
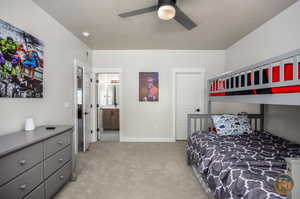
x=94 y=118
x=76 y=64
x=174 y=86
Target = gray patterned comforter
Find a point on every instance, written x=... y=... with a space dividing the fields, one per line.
x=241 y=166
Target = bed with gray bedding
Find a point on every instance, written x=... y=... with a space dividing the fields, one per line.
x=240 y=166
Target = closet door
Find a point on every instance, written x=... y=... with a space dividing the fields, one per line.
x=189 y=99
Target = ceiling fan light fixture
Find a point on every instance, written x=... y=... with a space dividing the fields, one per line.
x=86 y=34
x=166 y=12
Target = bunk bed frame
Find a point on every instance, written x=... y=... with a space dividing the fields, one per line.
x=273 y=81
x=201 y=122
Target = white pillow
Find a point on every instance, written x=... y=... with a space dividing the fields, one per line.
x=228 y=124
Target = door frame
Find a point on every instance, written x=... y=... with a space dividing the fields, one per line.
x=95 y=71
x=77 y=64
x=174 y=87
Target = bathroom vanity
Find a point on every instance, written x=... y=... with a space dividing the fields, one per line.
x=110 y=116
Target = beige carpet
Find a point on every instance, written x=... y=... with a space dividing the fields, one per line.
x=112 y=136
x=112 y=170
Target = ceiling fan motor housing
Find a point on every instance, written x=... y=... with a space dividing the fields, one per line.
x=166 y=2
x=166 y=10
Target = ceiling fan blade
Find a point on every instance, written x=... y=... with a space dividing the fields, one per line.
x=139 y=11
x=184 y=20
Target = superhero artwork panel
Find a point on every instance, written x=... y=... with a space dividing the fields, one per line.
x=148 y=87
x=21 y=63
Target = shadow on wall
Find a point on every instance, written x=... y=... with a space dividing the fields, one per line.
x=277 y=123
x=219 y=107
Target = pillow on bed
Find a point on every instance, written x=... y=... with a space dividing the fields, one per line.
x=232 y=124
x=244 y=124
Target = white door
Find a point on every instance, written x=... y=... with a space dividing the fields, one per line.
x=99 y=109
x=189 y=99
x=86 y=110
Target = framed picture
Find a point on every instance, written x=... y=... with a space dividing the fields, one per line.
x=21 y=63
x=148 y=86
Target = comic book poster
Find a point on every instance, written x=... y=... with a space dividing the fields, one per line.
x=149 y=86
x=21 y=63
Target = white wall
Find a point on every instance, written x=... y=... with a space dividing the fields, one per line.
x=278 y=36
x=153 y=121
x=61 y=48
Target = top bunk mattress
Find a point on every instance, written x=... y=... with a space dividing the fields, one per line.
x=241 y=166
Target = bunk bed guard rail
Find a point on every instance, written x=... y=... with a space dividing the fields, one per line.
x=276 y=76
x=201 y=122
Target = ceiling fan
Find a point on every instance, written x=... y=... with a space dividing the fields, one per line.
x=166 y=10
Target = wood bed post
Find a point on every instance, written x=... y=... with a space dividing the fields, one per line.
x=262 y=112
x=189 y=124
x=209 y=110
x=208 y=97
x=209 y=107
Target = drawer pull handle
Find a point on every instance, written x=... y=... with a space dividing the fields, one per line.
x=22 y=162
x=60 y=159
x=60 y=142
x=23 y=187
x=61 y=177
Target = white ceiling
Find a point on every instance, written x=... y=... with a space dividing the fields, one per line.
x=220 y=22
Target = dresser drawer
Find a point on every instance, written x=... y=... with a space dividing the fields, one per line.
x=56 y=143
x=56 y=161
x=16 y=163
x=23 y=184
x=38 y=193
x=55 y=182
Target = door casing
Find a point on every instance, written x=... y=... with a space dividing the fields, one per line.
x=84 y=105
x=94 y=115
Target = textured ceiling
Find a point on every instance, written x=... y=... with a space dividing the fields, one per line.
x=220 y=22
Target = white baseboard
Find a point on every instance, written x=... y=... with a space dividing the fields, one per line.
x=130 y=139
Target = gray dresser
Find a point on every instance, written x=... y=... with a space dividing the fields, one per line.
x=35 y=164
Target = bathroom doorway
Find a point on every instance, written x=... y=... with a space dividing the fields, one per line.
x=108 y=106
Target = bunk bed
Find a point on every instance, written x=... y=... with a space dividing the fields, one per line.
x=246 y=166
x=274 y=81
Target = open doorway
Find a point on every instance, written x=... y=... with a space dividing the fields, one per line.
x=108 y=106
